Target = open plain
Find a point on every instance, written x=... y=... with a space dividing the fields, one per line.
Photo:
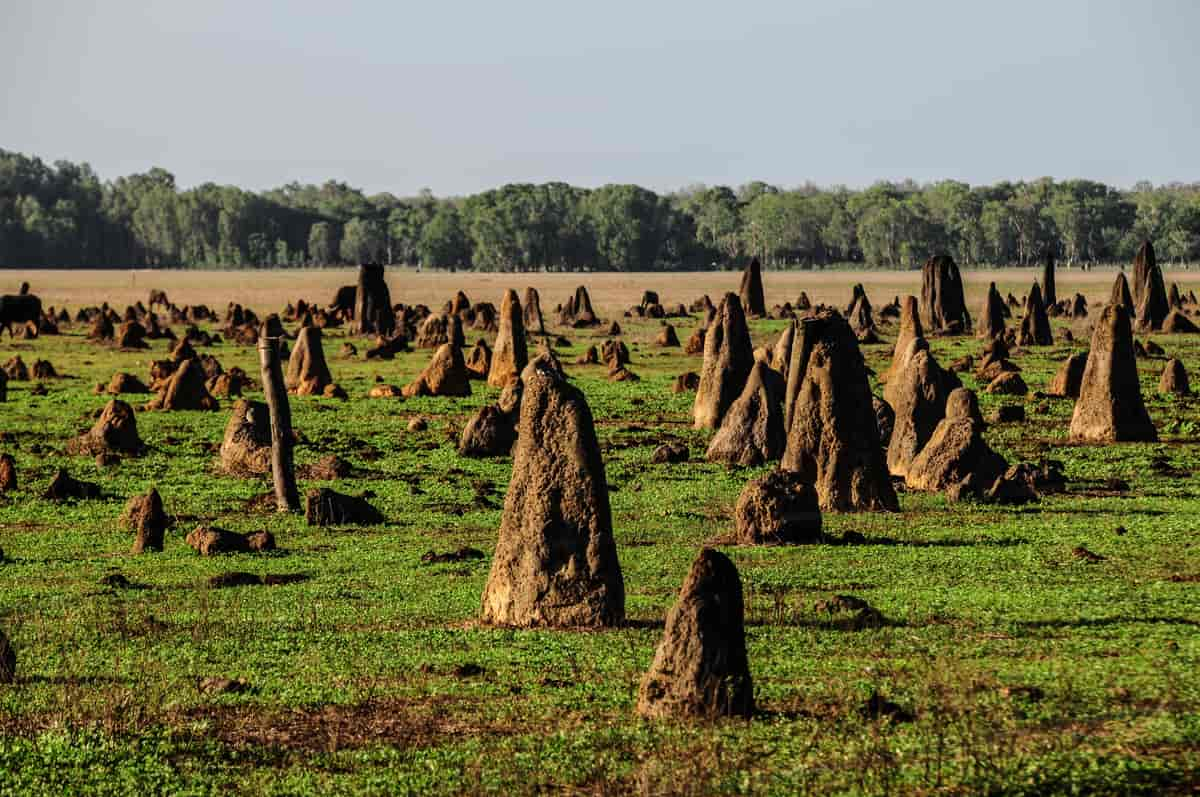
x=1050 y=647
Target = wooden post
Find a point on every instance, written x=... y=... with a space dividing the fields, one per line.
x=287 y=498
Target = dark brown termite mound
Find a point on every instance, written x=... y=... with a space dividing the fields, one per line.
x=1035 y=326
x=991 y=318
x=1110 y=408
x=373 y=303
x=556 y=561
x=778 y=508
x=700 y=668
x=490 y=432
x=1049 y=290
x=114 y=431
x=64 y=488
x=1149 y=292
x=833 y=439
x=8 y=473
x=750 y=293
x=125 y=383
x=1176 y=323
x=326 y=507
x=1174 y=380
x=145 y=517
x=532 y=311
x=943 y=308
x=8 y=661
x=509 y=356
x=728 y=357
x=577 y=312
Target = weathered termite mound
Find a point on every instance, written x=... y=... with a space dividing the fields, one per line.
x=372 y=303
x=700 y=668
x=509 y=356
x=991 y=318
x=115 y=431
x=750 y=293
x=1110 y=408
x=1035 y=325
x=1069 y=377
x=910 y=329
x=213 y=541
x=307 y=373
x=1149 y=292
x=326 y=507
x=532 y=310
x=185 y=389
x=728 y=357
x=1049 y=289
x=1174 y=379
x=957 y=452
x=777 y=508
x=752 y=430
x=577 y=312
x=445 y=375
x=145 y=517
x=556 y=561
x=246 y=447
x=833 y=437
x=479 y=361
x=1121 y=295
x=917 y=396
x=943 y=308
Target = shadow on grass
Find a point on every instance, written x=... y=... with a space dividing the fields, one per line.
x=860 y=540
x=1101 y=622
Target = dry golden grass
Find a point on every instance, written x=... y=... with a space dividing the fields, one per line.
x=610 y=292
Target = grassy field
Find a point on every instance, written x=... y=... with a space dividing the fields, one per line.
x=1017 y=666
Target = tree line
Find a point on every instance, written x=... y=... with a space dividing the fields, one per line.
x=65 y=215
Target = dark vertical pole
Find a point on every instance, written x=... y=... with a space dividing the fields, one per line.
x=287 y=498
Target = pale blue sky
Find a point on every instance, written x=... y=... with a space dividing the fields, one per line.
x=461 y=96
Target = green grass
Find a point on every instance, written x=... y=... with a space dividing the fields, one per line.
x=1026 y=669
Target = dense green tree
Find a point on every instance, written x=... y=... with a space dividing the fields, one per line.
x=64 y=214
x=363 y=241
x=322 y=244
x=443 y=241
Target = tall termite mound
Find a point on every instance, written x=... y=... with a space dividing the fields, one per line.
x=556 y=560
x=1110 y=408
x=833 y=437
x=728 y=356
